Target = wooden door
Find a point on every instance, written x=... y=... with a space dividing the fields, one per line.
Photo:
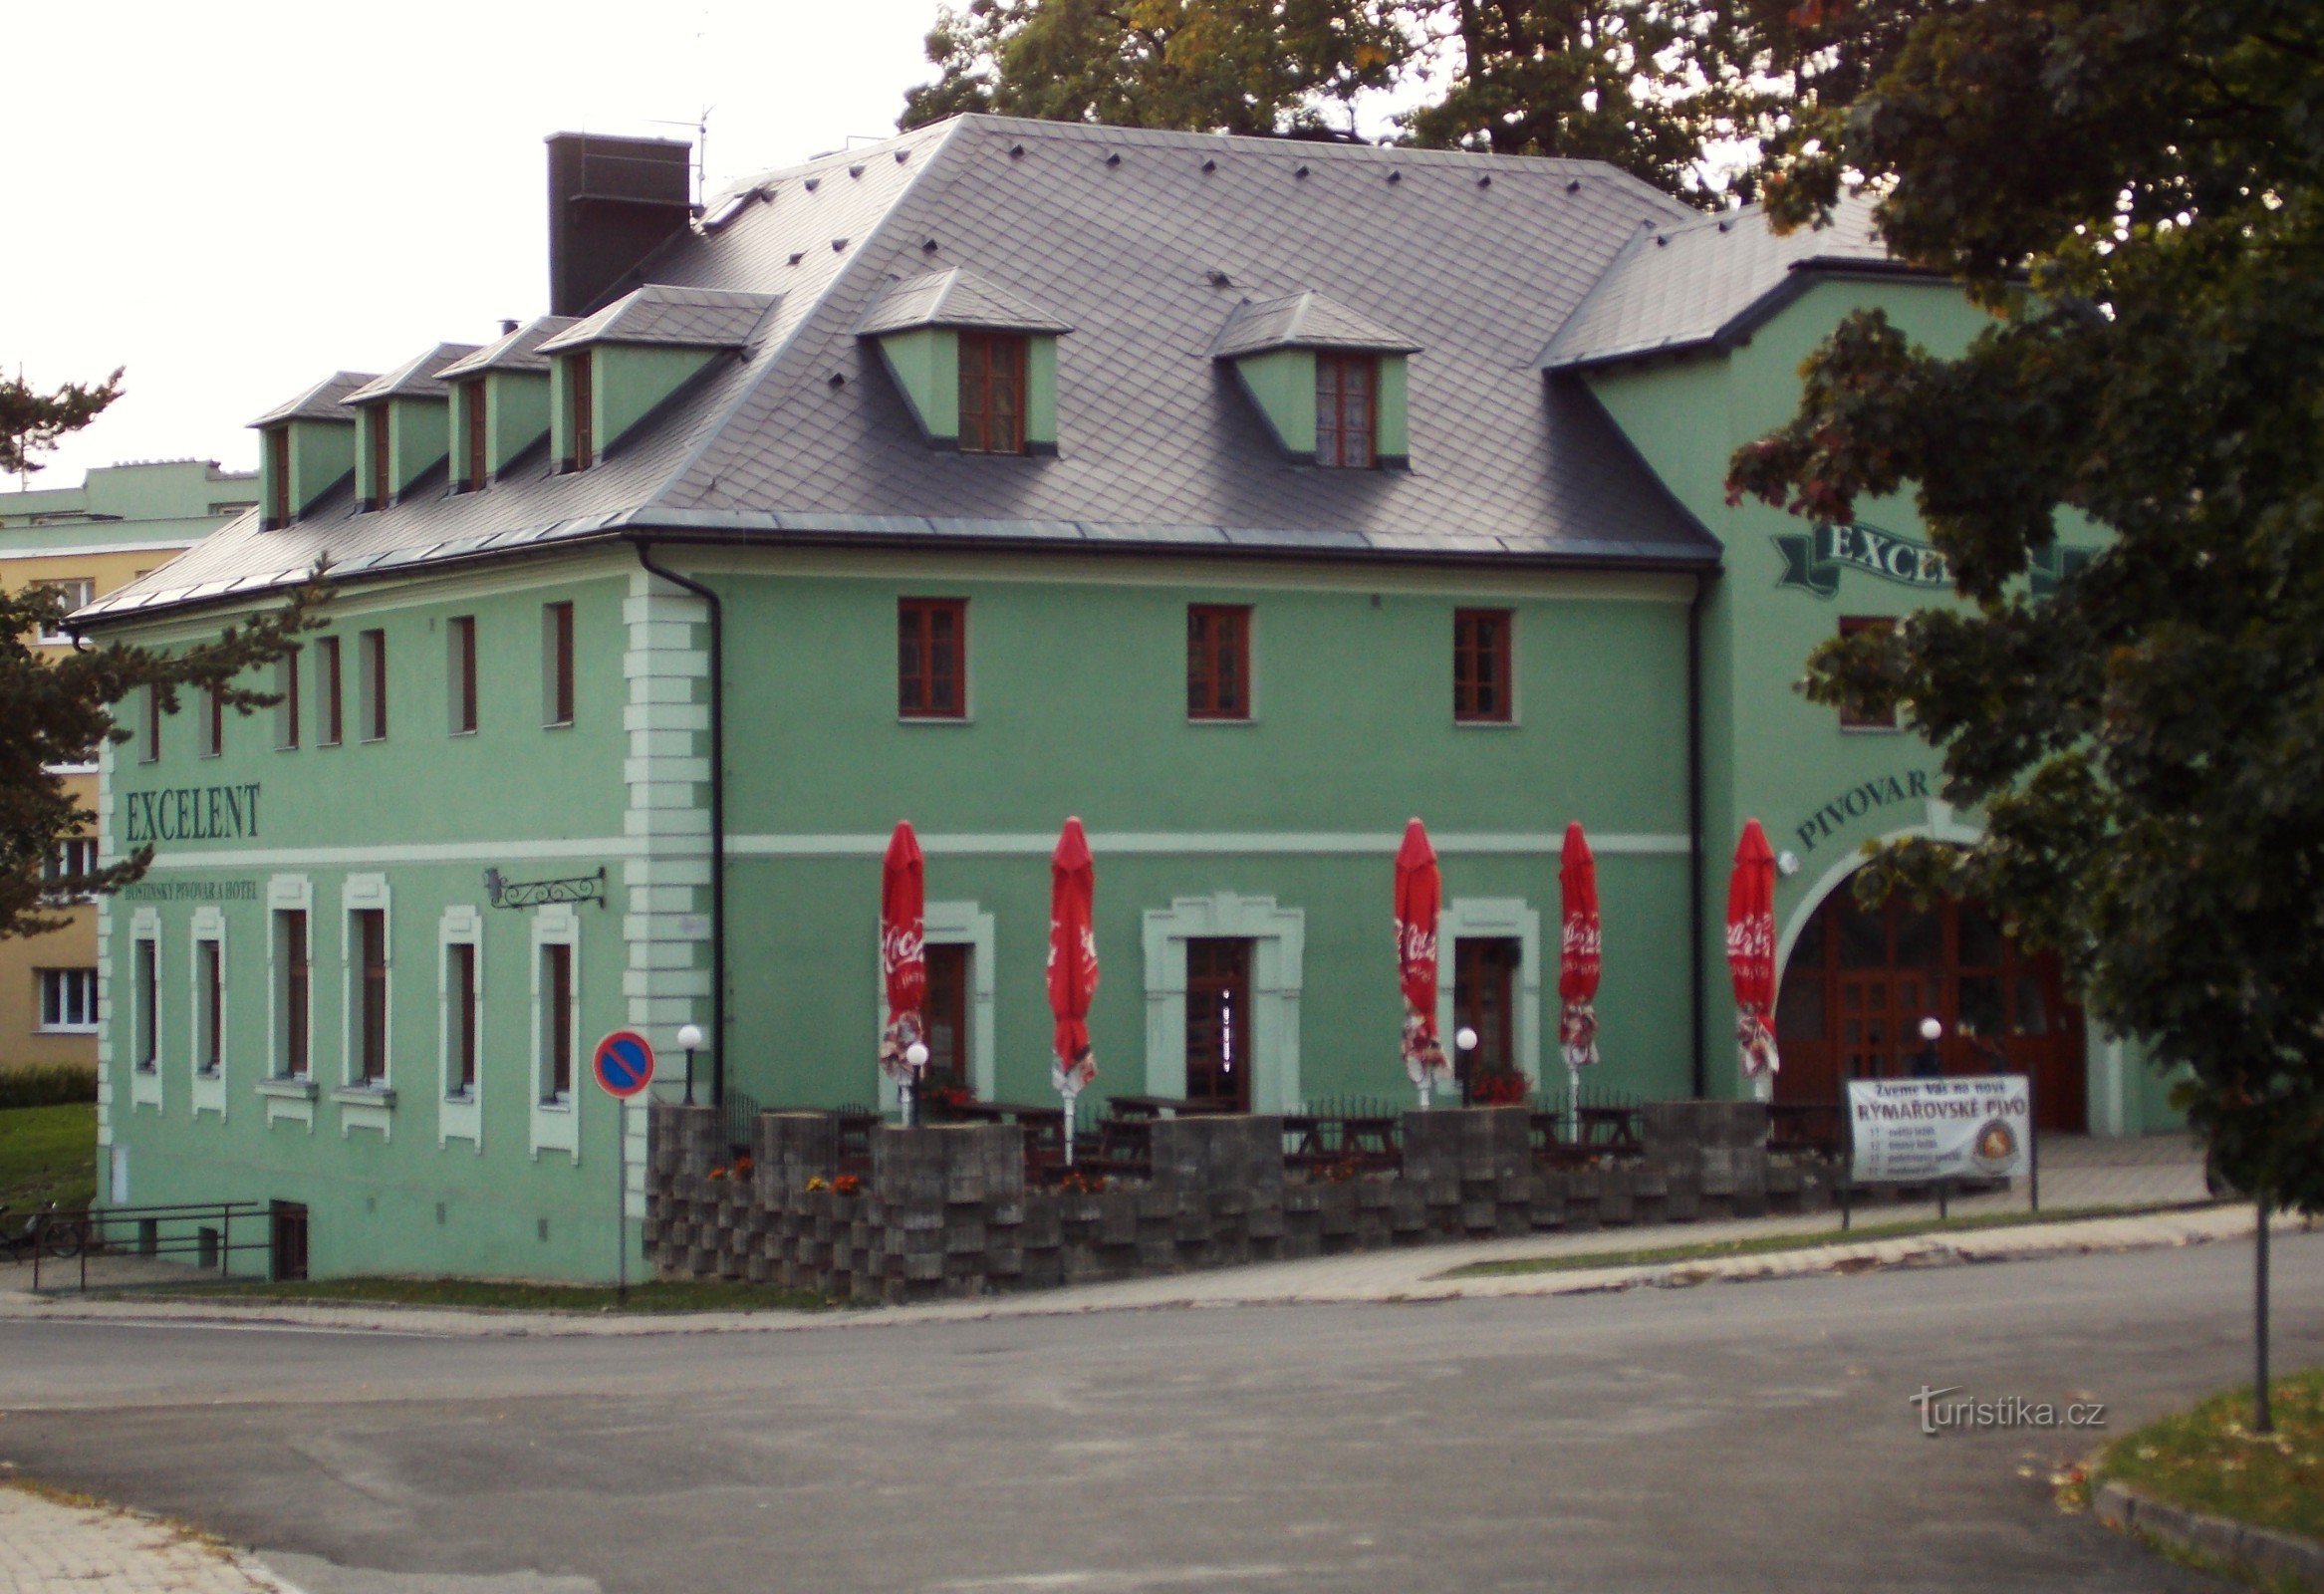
x=945 y=1011
x=1484 y=998
x=1218 y=1024
x=289 y=1241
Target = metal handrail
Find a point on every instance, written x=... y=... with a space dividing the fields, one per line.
x=93 y=1222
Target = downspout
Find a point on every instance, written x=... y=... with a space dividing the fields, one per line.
x=1697 y=926
x=717 y=811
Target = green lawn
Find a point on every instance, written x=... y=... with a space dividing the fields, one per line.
x=2208 y=1459
x=683 y=1295
x=48 y=1154
x=1764 y=1244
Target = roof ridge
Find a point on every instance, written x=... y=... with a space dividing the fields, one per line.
x=774 y=355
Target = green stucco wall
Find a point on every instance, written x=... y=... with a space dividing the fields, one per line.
x=516 y=413
x=322 y=456
x=630 y=380
x=1281 y=385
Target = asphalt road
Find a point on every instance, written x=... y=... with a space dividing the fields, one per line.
x=1730 y=1437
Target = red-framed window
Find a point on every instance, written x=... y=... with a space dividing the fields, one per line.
x=1347 y=389
x=371 y=946
x=1850 y=626
x=931 y=659
x=992 y=394
x=329 y=710
x=1480 y=665
x=460 y=634
x=1218 y=662
x=461 y=975
x=382 y=458
x=556 y=664
x=278 y=484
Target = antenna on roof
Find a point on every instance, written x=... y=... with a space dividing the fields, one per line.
x=701 y=127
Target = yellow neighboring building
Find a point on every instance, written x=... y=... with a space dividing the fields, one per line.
x=121 y=521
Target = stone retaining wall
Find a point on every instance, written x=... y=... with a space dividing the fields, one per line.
x=946 y=1211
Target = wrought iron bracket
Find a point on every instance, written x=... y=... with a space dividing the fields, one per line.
x=501 y=891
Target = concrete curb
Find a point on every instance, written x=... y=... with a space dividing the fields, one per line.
x=2266 y=1550
x=1289 y=1284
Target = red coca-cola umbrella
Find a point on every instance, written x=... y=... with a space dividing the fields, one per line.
x=1419 y=891
x=1577 y=962
x=904 y=966
x=1073 y=966
x=1751 y=953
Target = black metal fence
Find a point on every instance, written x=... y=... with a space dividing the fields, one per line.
x=200 y=1234
x=743 y=1112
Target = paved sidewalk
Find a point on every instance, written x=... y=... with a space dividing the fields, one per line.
x=50 y=1544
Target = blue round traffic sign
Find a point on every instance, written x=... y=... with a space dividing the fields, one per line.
x=623 y=1064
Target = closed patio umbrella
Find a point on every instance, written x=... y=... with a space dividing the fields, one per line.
x=1419 y=891
x=1073 y=966
x=1576 y=963
x=1751 y=956
x=904 y=966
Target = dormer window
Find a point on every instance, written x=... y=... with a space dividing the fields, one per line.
x=1346 y=411
x=1331 y=384
x=975 y=364
x=992 y=394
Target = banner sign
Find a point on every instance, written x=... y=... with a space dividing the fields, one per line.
x=1915 y=1130
x=1813 y=560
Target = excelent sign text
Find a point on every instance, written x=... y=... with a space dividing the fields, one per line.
x=191 y=813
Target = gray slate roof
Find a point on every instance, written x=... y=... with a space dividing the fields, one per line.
x=1145 y=242
x=325 y=400
x=1709 y=281
x=954 y=298
x=414 y=379
x=683 y=318
x=1303 y=321
x=511 y=351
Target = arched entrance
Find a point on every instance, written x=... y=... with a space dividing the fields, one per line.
x=1858 y=983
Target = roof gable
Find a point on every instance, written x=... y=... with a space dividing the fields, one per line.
x=325 y=400
x=1709 y=282
x=1303 y=321
x=414 y=379
x=511 y=351
x=954 y=298
x=669 y=317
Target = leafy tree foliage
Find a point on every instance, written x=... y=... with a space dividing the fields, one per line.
x=2132 y=188
x=1227 y=66
x=1667 y=88
x=56 y=706
x=32 y=421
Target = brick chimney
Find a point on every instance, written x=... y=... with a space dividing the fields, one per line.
x=612 y=202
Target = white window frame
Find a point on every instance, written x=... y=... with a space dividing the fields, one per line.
x=83 y=589
x=363 y=893
x=556 y=1125
x=144 y=1077
x=288 y=1095
x=209 y=1089
x=63 y=980
x=460 y=1115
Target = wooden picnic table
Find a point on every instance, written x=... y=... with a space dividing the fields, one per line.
x=1156 y=1106
x=1365 y=1138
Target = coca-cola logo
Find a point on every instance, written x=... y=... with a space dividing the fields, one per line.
x=900 y=945
x=1751 y=939
x=1582 y=938
x=1415 y=944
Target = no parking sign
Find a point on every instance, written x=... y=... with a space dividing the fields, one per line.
x=623 y=1064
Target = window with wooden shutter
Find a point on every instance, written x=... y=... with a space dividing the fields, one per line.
x=372 y=683
x=1346 y=411
x=477 y=450
x=579 y=383
x=992 y=394
x=931 y=658
x=556 y=664
x=383 y=492
x=371 y=943
x=278 y=475
x=461 y=640
x=1218 y=662
x=329 y=710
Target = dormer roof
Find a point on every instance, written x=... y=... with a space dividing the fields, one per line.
x=415 y=378
x=954 y=298
x=1711 y=281
x=1303 y=321
x=675 y=318
x=325 y=400
x=511 y=351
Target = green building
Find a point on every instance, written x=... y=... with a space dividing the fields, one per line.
x=1241 y=498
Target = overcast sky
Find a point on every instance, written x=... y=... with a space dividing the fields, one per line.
x=235 y=199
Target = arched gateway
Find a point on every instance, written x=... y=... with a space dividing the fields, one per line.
x=1857 y=984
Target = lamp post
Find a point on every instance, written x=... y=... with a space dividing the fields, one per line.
x=1464 y=1042
x=916 y=1057
x=689 y=1036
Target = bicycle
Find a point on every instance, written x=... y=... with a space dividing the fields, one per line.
x=51 y=1231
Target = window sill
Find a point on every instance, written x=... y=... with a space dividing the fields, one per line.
x=555 y=1104
x=935 y=719
x=148 y=1069
x=364 y=1095
x=209 y=1075
x=291 y=1087
x=556 y=724
x=1222 y=719
x=69 y=1029
x=1511 y=724
x=457 y=734
x=460 y=1098
x=1870 y=730
x=373 y=741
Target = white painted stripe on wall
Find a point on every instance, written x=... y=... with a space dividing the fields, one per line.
x=1542 y=844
